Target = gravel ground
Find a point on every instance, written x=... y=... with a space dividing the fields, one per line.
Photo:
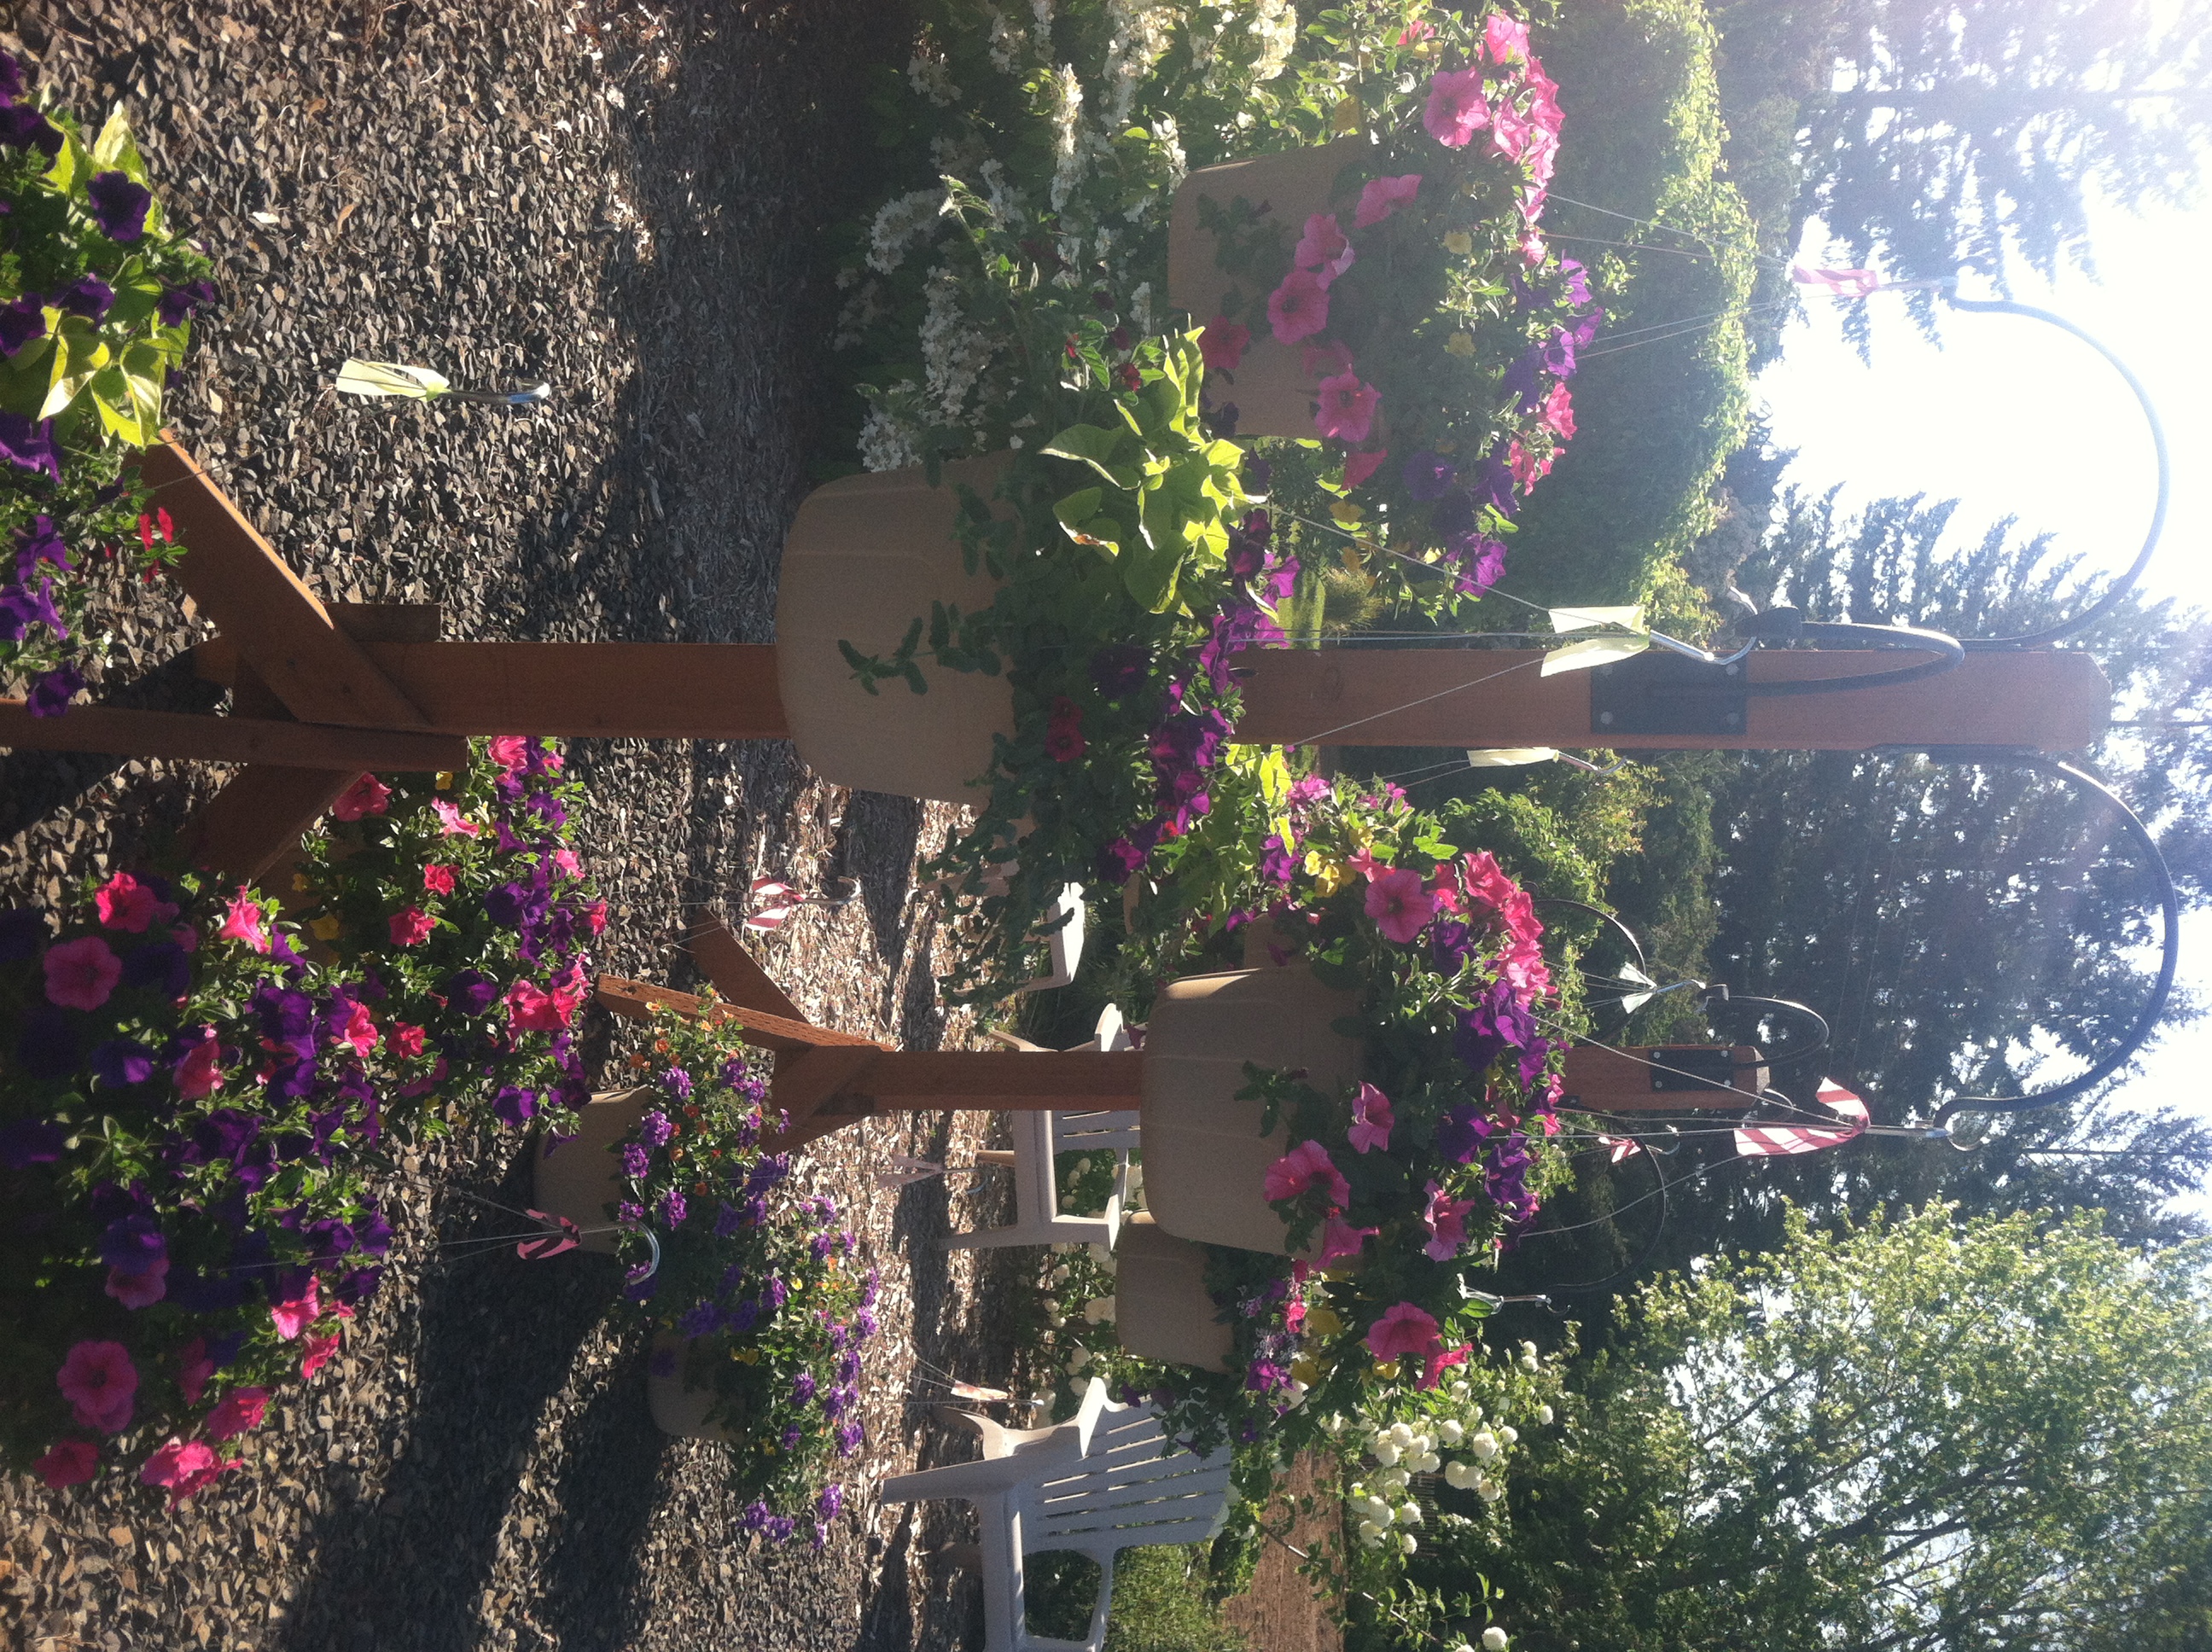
x=627 y=204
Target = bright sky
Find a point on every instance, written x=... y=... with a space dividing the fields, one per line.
x=2012 y=418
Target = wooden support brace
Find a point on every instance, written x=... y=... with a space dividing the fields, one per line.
x=1663 y=1078
x=172 y=734
x=643 y=690
x=636 y=999
x=241 y=583
x=255 y=822
x=736 y=974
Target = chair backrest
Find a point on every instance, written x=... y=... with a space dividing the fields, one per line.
x=1136 y=1487
x=1095 y=1132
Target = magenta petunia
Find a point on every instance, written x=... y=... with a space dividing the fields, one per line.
x=452 y=823
x=1306 y=1166
x=1223 y=342
x=124 y=903
x=235 y=1412
x=1371 y=1121
x=1358 y=467
x=242 y=921
x=1456 y=109
x=1339 y=1239
x=411 y=927
x=1400 y=904
x=1403 y=1329
x=1346 y=409
x=1446 y=1221
x=81 y=974
x=1322 y=248
x=143 y=1289
x=296 y=1315
x=1505 y=38
x=1381 y=196
x=99 y=1381
x=69 y=1463
x=183 y=1466
x=367 y=795
x=1298 y=308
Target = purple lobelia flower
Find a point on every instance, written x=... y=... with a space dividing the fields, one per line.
x=677 y=1083
x=802 y=1387
x=118 y=205
x=831 y=1502
x=848 y=1437
x=655 y=1128
x=636 y=1162
x=673 y=1210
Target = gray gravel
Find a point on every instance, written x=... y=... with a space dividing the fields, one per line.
x=628 y=205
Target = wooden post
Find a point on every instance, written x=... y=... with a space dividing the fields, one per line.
x=645 y=690
x=1663 y=1078
x=736 y=974
x=176 y=734
x=2044 y=699
x=256 y=820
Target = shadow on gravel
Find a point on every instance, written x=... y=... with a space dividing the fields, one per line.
x=497 y=1338
x=608 y=1488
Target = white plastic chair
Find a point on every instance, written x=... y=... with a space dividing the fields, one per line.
x=1064 y=945
x=1038 y=1137
x=1106 y=1481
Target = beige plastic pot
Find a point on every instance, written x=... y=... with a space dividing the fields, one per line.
x=1205 y=1162
x=866 y=557
x=1161 y=1307
x=1272 y=390
x=581 y=1178
x=678 y=1410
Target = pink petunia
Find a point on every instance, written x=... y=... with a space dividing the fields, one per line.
x=1527 y=469
x=565 y=863
x=242 y=921
x=185 y=936
x=1307 y=1165
x=296 y=1315
x=317 y=1354
x=595 y=917
x=438 y=880
x=99 y=1381
x=1400 y=904
x=411 y=927
x=1415 y=31
x=1223 y=342
x=81 y=974
x=1456 y=109
x=360 y=1030
x=367 y=795
x=1338 y=1238
x=235 y=1412
x=1346 y=412
x=1403 y=1329
x=405 y=1039
x=143 y=1289
x=1446 y=1220
x=68 y=1462
x=1533 y=250
x=184 y=1466
x=1505 y=38
x=1510 y=133
x=1441 y=1359
x=125 y=903
x=1381 y=196
x=194 y=1367
x=531 y=1008
x=1371 y=1121
x=1322 y=249
x=452 y=823
x=1298 y=308
x=1325 y=361
x=1559 y=411
x=1358 y=467
x=509 y=751
x=200 y=1073
x=1488 y=887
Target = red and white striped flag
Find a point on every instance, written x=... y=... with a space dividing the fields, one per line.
x=1844 y=284
x=1774 y=1140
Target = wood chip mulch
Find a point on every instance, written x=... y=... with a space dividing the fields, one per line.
x=629 y=205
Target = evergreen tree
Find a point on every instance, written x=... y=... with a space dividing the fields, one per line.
x=1936 y=137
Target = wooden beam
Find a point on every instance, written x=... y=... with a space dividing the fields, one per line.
x=256 y=820
x=246 y=588
x=636 y=999
x=173 y=734
x=645 y=690
x=736 y=974
x=1631 y=1079
x=1000 y=1081
x=2046 y=699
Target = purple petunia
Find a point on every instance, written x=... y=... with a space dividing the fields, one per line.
x=179 y=303
x=22 y=127
x=21 y=607
x=118 y=205
x=51 y=695
x=20 y=322
x=1429 y=475
x=88 y=297
x=121 y=1061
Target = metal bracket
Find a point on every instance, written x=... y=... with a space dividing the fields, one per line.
x=1656 y=693
x=1693 y=1066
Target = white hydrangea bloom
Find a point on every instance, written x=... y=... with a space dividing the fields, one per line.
x=1008 y=44
x=912 y=218
x=926 y=73
x=1142 y=31
x=886 y=443
x=1483 y=1445
x=1275 y=24
x=1072 y=154
x=953 y=354
x=1494 y=1639
x=1459 y=1475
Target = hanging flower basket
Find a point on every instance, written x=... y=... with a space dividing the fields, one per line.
x=578 y=1178
x=1163 y=1309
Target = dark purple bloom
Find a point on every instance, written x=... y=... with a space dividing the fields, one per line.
x=1248 y=544
x=1461 y=1133
x=1524 y=378
x=792 y=1436
x=133 y=1245
x=636 y=1162
x=120 y=1061
x=471 y=992
x=654 y=1129
x=699 y=1320
x=727 y=1221
x=849 y=1436
x=1481 y=561
x=118 y=205
x=1576 y=283
x=1278 y=861
x=51 y=695
x=744 y=1316
x=23 y=933
x=802 y=1387
x=48 y=1046
x=29 y=446
x=357 y=1286
x=24 y=128
x=21 y=607
x=1429 y=475
x=508 y=905
x=778 y=1293
x=677 y=1083
x=514 y=1105
x=20 y=323
x=673 y=1210
x=1586 y=327
x=11 y=80
x=1118 y=668
x=1449 y=942
x=26 y=1142
x=1558 y=357
x=1494 y=487
x=164 y=965
x=38 y=541
x=373 y=1233
x=330 y=1238
x=226 y=1133
x=1498 y=1023
x=640 y=1284
x=831 y=1501
x=630 y=1212
x=1119 y=861
x=179 y=303
x=88 y=297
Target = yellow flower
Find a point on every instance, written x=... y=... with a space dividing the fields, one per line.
x=325 y=928
x=1346 y=118
x=1345 y=512
x=1304 y=1369
x=1459 y=241
x=1323 y=1322
x=444 y=780
x=1386 y=1369
x=1328 y=875
x=299 y=882
x=1460 y=345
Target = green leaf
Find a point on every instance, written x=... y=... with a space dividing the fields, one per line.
x=1088 y=445
x=115 y=150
